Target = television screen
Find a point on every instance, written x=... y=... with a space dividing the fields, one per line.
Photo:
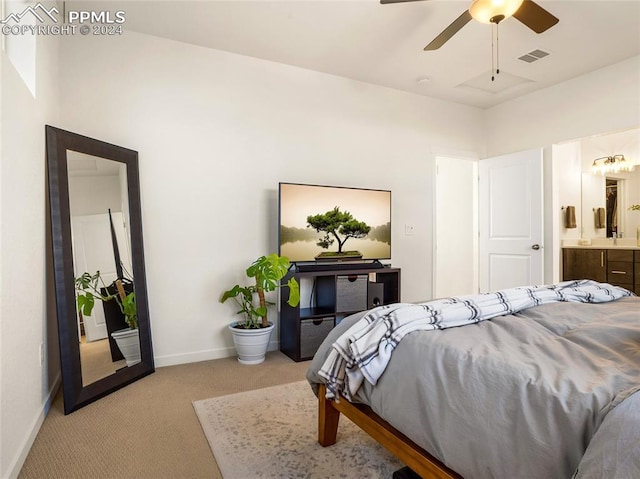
x=334 y=223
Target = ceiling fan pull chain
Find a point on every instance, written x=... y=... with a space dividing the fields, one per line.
x=492 y=57
x=497 y=49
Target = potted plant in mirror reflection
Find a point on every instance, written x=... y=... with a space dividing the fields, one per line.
x=636 y=208
x=91 y=287
x=251 y=334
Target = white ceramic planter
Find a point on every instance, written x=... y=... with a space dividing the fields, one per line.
x=251 y=344
x=128 y=341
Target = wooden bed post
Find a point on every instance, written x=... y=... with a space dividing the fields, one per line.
x=328 y=418
x=409 y=453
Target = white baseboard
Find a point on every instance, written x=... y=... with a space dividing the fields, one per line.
x=16 y=465
x=207 y=355
x=193 y=357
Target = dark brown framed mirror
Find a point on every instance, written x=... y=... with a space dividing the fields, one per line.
x=96 y=225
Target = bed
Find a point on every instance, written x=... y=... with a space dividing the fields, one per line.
x=549 y=391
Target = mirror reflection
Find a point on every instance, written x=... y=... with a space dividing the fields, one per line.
x=99 y=209
x=611 y=202
x=606 y=198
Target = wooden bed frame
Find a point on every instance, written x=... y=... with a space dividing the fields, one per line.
x=407 y=451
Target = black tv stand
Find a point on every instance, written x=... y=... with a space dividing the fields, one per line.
x=327 y=296
x=337 y=265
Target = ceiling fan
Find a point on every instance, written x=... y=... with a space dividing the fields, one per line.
x=493 y=11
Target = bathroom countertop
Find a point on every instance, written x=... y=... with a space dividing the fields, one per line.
x=624 y=243
x=591 y=246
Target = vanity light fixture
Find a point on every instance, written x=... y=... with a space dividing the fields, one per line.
x=611 y=164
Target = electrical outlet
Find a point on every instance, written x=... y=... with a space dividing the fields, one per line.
x=409 y=230
x=41 y=354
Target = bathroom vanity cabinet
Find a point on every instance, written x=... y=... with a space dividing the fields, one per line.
x=617 y=266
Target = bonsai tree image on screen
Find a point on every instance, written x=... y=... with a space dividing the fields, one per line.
x=338 y=226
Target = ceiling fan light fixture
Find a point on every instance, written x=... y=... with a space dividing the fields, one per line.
x=486 y=10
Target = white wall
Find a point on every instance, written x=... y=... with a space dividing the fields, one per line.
x=568 y=170
x=93 y=195
x=603 y=101
x=25 y=319
x=456 y=227
x=216 y=132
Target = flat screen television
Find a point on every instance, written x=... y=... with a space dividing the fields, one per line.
x=333 y=223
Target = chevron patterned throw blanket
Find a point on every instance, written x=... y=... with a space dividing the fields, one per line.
x=364 y=350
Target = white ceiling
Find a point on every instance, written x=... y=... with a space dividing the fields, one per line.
x=383 y=44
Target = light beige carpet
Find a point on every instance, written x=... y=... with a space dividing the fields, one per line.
x=148 y=430
x=96 y=360
x=272 y=433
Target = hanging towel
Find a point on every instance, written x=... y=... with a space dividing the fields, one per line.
x=601 y=218
x=570 y=217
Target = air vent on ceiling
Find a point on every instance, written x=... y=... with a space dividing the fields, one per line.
x=533 y=56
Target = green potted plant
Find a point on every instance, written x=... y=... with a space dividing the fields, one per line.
x=251 y=334
x=92 y=287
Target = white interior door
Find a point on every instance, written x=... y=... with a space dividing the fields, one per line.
x=511 y=222
x=455 y=255
x=93 y=251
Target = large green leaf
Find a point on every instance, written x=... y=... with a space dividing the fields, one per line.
x=130 y=310
x=294 y=292
x=86 y=303
x=232 y=293
x=268 y=271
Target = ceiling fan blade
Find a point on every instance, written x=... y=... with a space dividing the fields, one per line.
x=450 y=31
x=383 y=2
x=535 y=17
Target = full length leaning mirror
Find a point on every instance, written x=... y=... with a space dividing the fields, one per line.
x=96 y=226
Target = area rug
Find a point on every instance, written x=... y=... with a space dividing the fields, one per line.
x=272 y=433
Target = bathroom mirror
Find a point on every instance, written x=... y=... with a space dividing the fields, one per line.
x=613 y=192
x=94 y=197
